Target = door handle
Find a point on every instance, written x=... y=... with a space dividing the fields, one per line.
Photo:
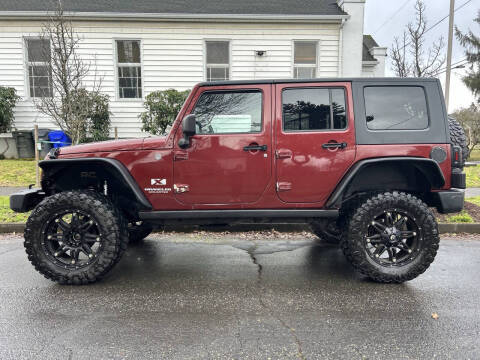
x=180 y=156
x=283 y=154
x=333 y=145
x=255 y=147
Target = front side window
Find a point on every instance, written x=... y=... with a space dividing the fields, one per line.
x=305 y=60
x=129 y=69
x=307 y=109
x=218 y=60
x=396 y=108
x=229 y=112
x=38 y=67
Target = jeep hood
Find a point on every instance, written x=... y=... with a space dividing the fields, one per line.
x=104 y=146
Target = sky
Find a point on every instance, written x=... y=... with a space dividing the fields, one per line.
x=385 y=19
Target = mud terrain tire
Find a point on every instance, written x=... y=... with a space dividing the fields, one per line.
x=413 y=243
x=458 y=137
x=109 y=233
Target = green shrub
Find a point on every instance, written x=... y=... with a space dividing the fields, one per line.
x=162 y=108
x=8 y=100
x=99 y=118
x=462 y=217
x=90 y=116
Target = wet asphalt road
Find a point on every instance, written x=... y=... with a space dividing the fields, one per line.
x=176 y=297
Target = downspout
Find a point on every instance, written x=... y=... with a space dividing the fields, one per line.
x=340 y=48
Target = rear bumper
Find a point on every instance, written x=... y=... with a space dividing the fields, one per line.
x=26 y=200
x=449 y=201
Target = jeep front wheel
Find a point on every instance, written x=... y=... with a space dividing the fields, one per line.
x=75 y=237
x=391 y=237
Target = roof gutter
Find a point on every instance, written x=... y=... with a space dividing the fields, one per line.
x=370 y=62
x=119 y=16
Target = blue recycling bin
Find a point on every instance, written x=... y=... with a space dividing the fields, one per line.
x=59 y=138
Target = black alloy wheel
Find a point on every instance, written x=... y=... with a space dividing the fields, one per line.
x=72 y=239
x=393 y=238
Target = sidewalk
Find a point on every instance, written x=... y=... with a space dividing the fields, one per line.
x=471 y=192
x=9 y=190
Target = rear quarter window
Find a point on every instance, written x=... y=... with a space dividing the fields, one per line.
x=396 y=108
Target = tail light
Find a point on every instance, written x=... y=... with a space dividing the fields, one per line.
x=456 y=156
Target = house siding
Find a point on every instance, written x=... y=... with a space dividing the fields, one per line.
x=172 y=57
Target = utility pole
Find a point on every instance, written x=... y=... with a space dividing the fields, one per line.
x=449 y=52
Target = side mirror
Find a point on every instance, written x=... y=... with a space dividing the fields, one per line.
x=189 y=129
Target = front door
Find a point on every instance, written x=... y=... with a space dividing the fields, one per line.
x=315 y=139
x=229 y=158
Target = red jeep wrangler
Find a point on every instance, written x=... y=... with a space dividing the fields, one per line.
x=361 y=160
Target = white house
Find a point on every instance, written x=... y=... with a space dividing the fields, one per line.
x=146 y=45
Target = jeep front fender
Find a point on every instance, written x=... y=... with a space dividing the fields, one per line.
x=53 y=168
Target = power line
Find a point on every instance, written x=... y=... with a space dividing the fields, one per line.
x=455 y=64
x=446 y=17
x=393 y=15
x=440 y=21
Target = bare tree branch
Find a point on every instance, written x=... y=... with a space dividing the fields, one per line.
x=408 y=55
x=69 y=103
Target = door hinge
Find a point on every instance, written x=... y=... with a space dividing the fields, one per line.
x=180 y=156
x=284 y=186
x=181 y=188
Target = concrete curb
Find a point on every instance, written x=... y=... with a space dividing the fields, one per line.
x=459 y=228
x=443 y=228
x=11 y=228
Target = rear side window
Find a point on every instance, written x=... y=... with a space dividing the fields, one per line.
x=396 y=108
x=228 y=112
x=310 y=109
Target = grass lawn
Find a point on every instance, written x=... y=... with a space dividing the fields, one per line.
x=17 y=172
x=474 y=155
x=474 y=200
x=473 y=176
x=7 y=215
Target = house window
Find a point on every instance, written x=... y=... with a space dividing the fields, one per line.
x=129 y=69
x=305 y=59
x=38 y=66
x=218 y=60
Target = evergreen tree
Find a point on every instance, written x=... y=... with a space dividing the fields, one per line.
x=471 y=42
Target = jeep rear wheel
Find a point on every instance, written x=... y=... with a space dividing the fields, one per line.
x=75 y=237
x=137 y=231
x=391 y=237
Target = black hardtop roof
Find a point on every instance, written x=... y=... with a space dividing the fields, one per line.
x=382 y=80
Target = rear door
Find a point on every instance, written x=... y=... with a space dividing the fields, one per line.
x=315 y=139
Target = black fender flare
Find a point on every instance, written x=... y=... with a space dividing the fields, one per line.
x=114 y=166
x=428 y=167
